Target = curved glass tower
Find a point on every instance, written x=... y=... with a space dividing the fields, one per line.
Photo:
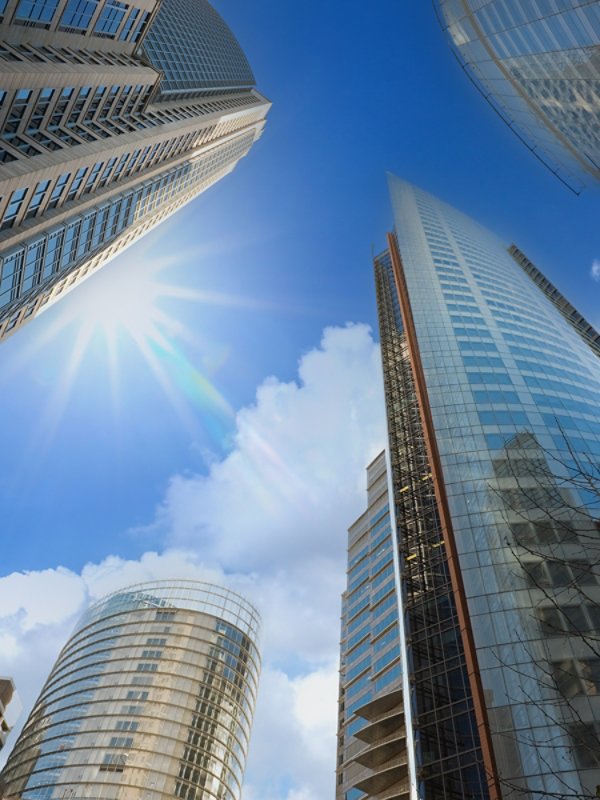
x=195 y=50
x=491 y=384
x=538 y=63
x=152 y=697
x=112 y=117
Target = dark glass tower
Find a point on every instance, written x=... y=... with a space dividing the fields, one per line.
x=113 y=115
x=538 y=63
x=491 y=383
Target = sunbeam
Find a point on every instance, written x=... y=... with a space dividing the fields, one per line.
x=121 y=308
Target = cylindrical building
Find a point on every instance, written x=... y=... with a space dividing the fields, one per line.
x=152 y=697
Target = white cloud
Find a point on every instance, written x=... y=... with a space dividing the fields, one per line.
x=40 y=598
x=270 y=520
x=595 y=270
x=295 y=476
x=9 y=647
x=292 y=753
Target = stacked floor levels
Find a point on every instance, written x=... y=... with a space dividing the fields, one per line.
x=113 y=115
x=372 y=752
x=492 y=381
x=151 y=698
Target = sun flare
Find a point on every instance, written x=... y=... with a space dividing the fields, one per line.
x=125 y=306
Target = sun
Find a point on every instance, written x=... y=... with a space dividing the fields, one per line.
x=125 y=302
x=124 y=305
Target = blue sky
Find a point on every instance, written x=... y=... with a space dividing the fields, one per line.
x=280 y=250
x=355 y=94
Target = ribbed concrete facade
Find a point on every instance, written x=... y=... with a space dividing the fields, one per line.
x=152 y=697
x=98 y=144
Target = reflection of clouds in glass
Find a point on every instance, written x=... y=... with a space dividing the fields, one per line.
x=595 y=270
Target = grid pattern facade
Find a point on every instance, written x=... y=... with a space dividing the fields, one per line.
x=370 y=640
x=73 y=143
x=195 y=49
x=448 y=758
x=121 y=23
x=512 y=388
x=539 y=63
x=38 y=270
x=152 y=697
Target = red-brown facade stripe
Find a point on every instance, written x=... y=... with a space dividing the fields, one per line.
x=446 y=523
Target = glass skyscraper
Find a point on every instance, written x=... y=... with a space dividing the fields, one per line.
x=152 y=697
x=372 y=757
x=113 y=115
x=538 y=63
x=491 y=383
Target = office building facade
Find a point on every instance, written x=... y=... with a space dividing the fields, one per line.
x=538 y=63
x=152 y=697
x=372 y=754
x=491 y=383
x=7 y=696
x=113 y=115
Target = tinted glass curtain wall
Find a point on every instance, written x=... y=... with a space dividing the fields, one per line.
x=492 y=381
x=538 y=63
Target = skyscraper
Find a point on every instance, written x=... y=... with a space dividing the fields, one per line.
x=152 y=697
x=491 y=383
x=7 y=694
x=113 y=115
x=372 y=752
x=538 y=63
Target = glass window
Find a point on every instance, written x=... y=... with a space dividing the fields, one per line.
x=70 y=244
x=77 y=181
x=139 y=28
x=13 y=208
x=53 y=250
x=78 y=14
x=33 y=265
x=85 y=235
x=36 y=10
x=95 y=171
x=59 y=188
x=37 y=198
x=110 y=18
x=129 y=24
x=15 y=115
x=126 y=725
x=113 y=762
x=120 y=166
x=10 y=271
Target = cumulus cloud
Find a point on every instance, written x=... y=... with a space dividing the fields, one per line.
x=295 y=475
x=40 y=598
x=270 y=521
x=292 y=752
x=595 y=270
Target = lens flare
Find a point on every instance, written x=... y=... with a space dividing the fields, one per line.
x=120 y=307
